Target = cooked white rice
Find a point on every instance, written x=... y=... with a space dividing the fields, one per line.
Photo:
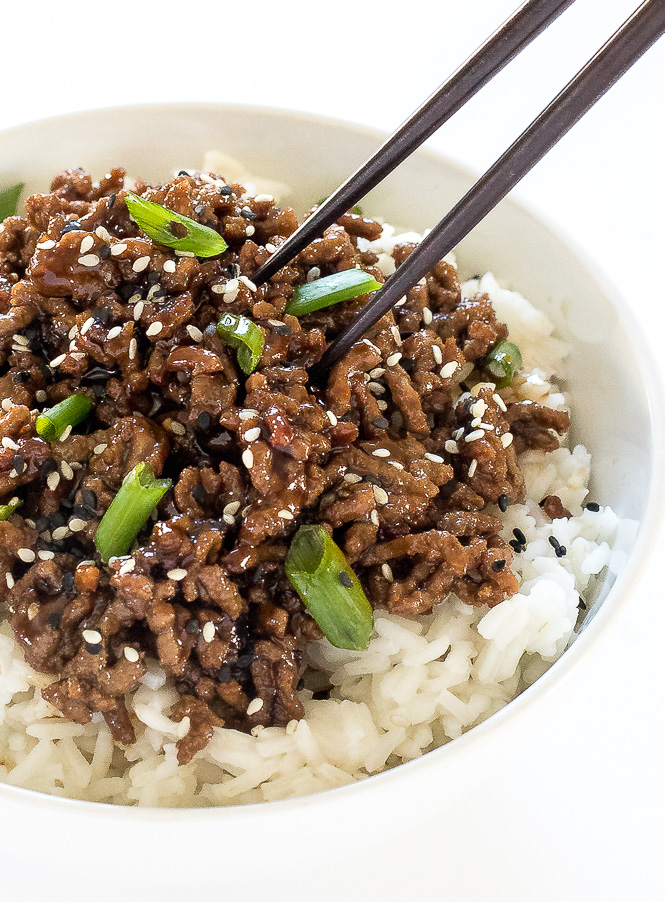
x=422 y=682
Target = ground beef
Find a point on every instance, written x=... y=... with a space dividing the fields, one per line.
x=395 y=455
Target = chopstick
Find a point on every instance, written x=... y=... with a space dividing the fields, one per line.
x=623 y=49
x=513 y=36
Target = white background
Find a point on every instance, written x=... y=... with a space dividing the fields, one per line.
x=604 y=184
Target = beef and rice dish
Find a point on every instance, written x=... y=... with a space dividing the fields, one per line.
x=118 y=371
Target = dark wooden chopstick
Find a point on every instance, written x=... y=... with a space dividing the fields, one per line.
x=623 y=49
x=513 y=36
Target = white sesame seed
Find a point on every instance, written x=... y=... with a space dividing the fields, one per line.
x=376 y=373
x=26 y=555
x=396 y=464
x=99 y=449
x=472 y=467
x=507 y=439
x=194 y=333
x=268 y=198
x=154 y=329
x=401 y=302
x=140 y=264
x=9 y=443
x=57 y=360
x=184 y=253
x=382 y=405
x=252 y=434
x=448 y=370
x=208 y=631
x=376 y=388
x=248 y=458
x=232 y=508
x=451 y=447
x=254 y=706
x=397 y=337
x=114 y=332
x=169 y=266
x=231 y=285
x=331 y=417
x=478 y=408
x=498 y=400
x=77 y=525
x=118 y=249
x=53 y=481
x=374 y=517
x=130 y=654
x=87 y=243
x=381 y=452
x=218 y=288
x=352 y=478
x=228 y=519
x=457 y=434
x=290 y=728
x=475 y=422
x=177 y=575
x=92 y=637
x=427 y=316
x=436 y=353
x=285 y=515
x=433 y=457
x=314 y=274
x=20 y=339
x=66 y=433
x=380 y=495
x=46 y=245
x=45 y=555
x=394 y=358
x=177 y=428
x=10 y=580
x=89 y=260
x=387 y=572
x=87 y=325
x=248 y=413
x=486 y=426
x=41 y=396
x=66 y=470
x=246 y=281
x=249 y=231
x=138 y=310
x=133 y=349
x=474 y=436
x=60 y=533
x=103 y=233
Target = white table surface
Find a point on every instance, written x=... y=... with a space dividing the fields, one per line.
x=604 y=184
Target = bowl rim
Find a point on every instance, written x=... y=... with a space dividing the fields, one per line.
x=619 y=595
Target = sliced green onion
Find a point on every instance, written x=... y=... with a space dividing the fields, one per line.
x=128 y=513
x=329 y=588
x=9 y=200
x=173 y=230
x=52 y=423
x=340 y=286
x=245 y=336
x=6 y=510
x=502 y=362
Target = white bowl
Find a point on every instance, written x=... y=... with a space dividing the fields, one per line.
x=618 y=412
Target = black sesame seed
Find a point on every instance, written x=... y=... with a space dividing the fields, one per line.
x=247 y=214
x=199 y=494
x=560 y=551
x=54 y=620
x=104 y=252
x=89 y=498
x=204 y=420
x=21 y=377
x=99 y=391
x=554 y=542
x=73 y=226
x=93 y=649
x=345 y=580
x=503 y=503
x=192 y=627
x=68 y=582
x=49 y=466
x=226 y=190
x=282 y=329
x=592 y=506
x=519 y=535
x=183 y=172
x=224 y=674
x=42 y=524
x=153 y=278
x=112 y=200
x=19 y=464
x=516 y=546
x=498 y=566
x=57 y=520
x=83 y=512
x=407 y=363
x=245 y=661
x=380 y=422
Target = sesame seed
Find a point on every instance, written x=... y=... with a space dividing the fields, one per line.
x=9 y=443
x=395 y=334
x=332 y=418
x=436 y=353
x=169 y=266
x=7 y=403
x=184 y=253
x=209 y=631
x=177 y=428
x=474 y=436
x=133 y=349
x=387 y=572
x=478 y=408
x=448 y=370
x=67 y=432
x=140 y=264
x=472 y=467
x=507 y=439
x=118 y=249
x=53 y=481
x=194 y=333
x=249 y=231
x=114 y=332
x=371 y=344
x=60 y=533
x=154 y=329
x=376 y=373
x=87 y=243
x=352 y=478
x=285 y=515
x=396 y=464
x=248 y=413
x=374 y=517
x=77 y=525
x=99 y=449
x=451 y=447
x=21 y=340
x=254 y=706
x=314 y=274
x=232 y=507
x=381 y=452
x=41 y=396
x=93 y=637
x=382 y=405
x=130 y=654
x=380 y=495
x=401 y=302
x=252 y=434
x=248 y=283
x=433 y=457
x=66 y=470
x=228 y=519
x=177 y=575
x=57 y=360
x=33 y=610
x=45 y=555
x=138 y=310
x=231 y=285
x=427 y=316
x=103 y=233
x=290 y=728
x=26 y=555
x=500 y=403
x=78 y=356
x=218 y=288
x=376 y=388
x=89 y=260
x=267 y=198
x=10 y=580
x=248 y=458
x=475 y=422
x=46 y=245
x=394 y=358
x=87 y=325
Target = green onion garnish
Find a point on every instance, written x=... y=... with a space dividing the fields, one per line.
x=128 y=513
x=9 y=200
x=6 y=510
x=173 y=230
x=329 y=588
x=340 y=286
x=502 y=362
x=245 y=336
x=52 y=423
